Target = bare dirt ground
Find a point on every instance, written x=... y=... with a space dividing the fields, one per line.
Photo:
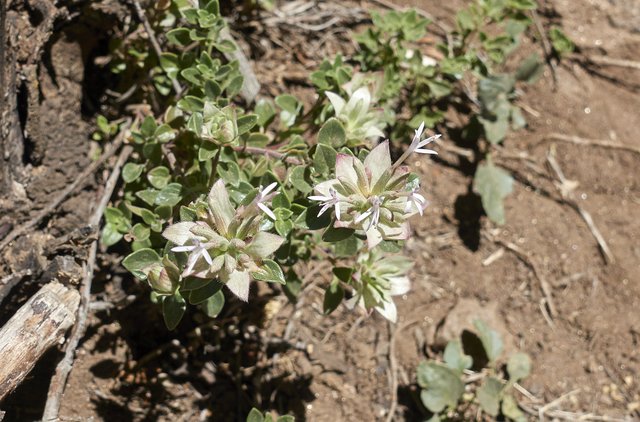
x=341 y=367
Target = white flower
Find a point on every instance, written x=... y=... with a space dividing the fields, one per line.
x=374 y=212
x=417 y=200
x=329 y=201
x=387 y=308
x=197 y=250
x=263 y=196
x=417 y=145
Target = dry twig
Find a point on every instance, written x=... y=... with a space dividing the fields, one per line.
x=608 y=61
x=154 y=41
x=59 y=380
x=546 y=47
x=530 y=262
x=80 y=181
x=393 y=364
x=268 y=152
x=567 y=195
x=591 y=142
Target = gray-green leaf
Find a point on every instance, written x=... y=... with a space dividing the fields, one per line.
x=518 y=366
x=455 y=358
x=442 y=386
x=332 y=133
x=489 y=394
x=493 y=184
x=490 y=339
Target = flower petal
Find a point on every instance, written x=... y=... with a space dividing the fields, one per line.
x=267 y=211
x=238 y=283
x=373 y=237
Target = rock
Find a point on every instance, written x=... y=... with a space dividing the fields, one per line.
x=460 y=318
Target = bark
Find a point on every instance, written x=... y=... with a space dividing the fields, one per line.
x=38 y=325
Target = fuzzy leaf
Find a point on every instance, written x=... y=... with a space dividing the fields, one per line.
x=493 y=184
x=332 y=133
x=179 y=233
x=489 y=394
x=202 y=294
x=213 y=306
x=518 y=366
x=264 y=244
x=324 y=159
x=255 y=416
x=131 y=172
x=530 y=69
x=298 y=179
x=511 y=410
x=173 y=308
x=491 y=341
x=455 y=358
x=333 y=296
x=159 y=177
x=441 y=385
x=139 y=260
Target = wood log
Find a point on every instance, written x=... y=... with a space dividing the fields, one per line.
x=37 y=325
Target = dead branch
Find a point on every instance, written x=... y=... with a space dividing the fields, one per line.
x=566 y=190
x=9 y=282
x=154 y=41
x=591 y=142
x=609 y=61
x=59 y=380
x=530 y=262
x=38 y=325
x=80 y=181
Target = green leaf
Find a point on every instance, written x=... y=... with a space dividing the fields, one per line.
x=346 y=248
x=285 y=418
x=179 y=36
x=324 y=159
x=455 y=358
x=496 y=122
x=343 y=273
x=202 y=294
x=493 y=184
x=148 y=195
x=561 y=43
x=332 y=133
x=246 y=123
x=173 y=308
x=489 y=395
x=139 y=260
x=518 y=366
x=265 y=111
x=170 y=195
x=491 y=341
x=213 y=306
x=159 y=177
x=530 y=69
x=270 y=272
x=140 y=232
x=493 y=89
x=131 y=172
x=299 y=177
x=170 y=64
x=110 y=235
x=442 y=386
x=333 y=296
x=511 y=410
x=333 y=234
x=255 y=416
x=148 y=126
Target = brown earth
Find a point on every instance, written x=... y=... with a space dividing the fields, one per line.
x=340 y=367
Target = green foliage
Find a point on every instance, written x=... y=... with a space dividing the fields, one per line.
x=562 y=44
x=493 y=184
x=443 y=386
x=257 y=416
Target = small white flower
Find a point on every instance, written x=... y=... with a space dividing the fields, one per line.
x=328 y=201
x=197 y=250
x=374 y=212
x=415 y=199
x=417 y=145
x=263 y=196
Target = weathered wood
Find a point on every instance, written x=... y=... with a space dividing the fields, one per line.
x=39 y=324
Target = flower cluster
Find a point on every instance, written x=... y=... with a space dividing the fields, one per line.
x=376 y=280
x=375 y=196
x=226 y=243
x=359 y=120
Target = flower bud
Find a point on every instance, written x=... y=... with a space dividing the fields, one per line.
x=160 y=281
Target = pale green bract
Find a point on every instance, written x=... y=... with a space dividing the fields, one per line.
x=359 y=119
